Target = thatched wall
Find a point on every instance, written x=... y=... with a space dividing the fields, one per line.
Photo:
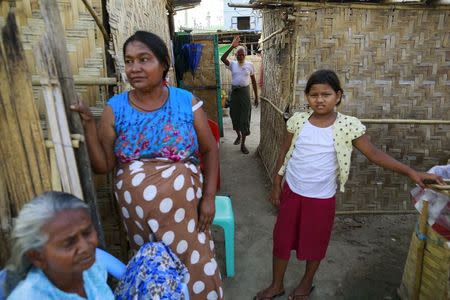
x=276 y=65
x=128 y=16
x=393 y=64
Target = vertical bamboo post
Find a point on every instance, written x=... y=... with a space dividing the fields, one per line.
x=420 y=251
x=57 y=121
x=56 y=181
x=56 y=38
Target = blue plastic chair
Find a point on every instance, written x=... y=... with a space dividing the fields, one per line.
x=117 y=269
x=2 y=279
x=224 y=218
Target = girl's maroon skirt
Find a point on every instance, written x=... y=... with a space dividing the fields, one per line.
x=303 y=224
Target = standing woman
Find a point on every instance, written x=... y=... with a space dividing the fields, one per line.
x=240 y=107
x=154 y=136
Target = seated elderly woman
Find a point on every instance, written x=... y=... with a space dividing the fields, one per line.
x=53 y=252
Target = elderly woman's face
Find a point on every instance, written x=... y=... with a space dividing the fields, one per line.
x=240 y=56
x=71 y=243
x=142 y=67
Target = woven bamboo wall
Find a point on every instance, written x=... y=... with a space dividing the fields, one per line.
x=276 y=65
x=128 y=16
x=392 y=64
x=86 y=51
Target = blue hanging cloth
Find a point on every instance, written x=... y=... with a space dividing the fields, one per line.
x=192 y=54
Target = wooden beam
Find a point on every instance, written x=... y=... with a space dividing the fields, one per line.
x=82 y=80
x=97 y=20
x=56 y=38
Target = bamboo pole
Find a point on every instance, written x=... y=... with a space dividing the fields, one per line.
x=5 y=220
x=420 y=250
x=273 y=34
x=57 y=122
x=97 y=20
x=378 y=121
x=367 y=6
x=56 y=177
x=84 y=80
x=55 y=33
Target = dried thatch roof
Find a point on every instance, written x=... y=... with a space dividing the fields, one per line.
x=184 y=4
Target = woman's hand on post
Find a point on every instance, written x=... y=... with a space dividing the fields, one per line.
x=206 y=213
x=236 y=41
x=83 y=110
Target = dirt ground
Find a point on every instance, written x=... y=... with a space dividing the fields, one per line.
x=365 y=258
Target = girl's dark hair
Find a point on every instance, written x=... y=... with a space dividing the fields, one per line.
x=155 y=44
x=324 y=77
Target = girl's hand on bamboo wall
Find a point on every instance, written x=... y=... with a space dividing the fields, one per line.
x=422 y=178
x=83 y=110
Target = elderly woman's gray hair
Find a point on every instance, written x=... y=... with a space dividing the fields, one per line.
x=240 y=48
x=27 y=232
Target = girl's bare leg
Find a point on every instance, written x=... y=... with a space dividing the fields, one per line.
x=304 y=287
x=276 y=287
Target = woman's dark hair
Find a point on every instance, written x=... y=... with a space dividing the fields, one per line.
x=324 y=77
x=155 y=44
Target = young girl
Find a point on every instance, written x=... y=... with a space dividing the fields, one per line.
x=315 y=152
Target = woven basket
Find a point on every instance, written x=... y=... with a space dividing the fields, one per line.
x=427 y=270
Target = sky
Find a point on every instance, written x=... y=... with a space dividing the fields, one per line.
x=197 y=16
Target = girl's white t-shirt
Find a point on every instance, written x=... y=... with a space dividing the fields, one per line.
x=240 y=74
x=312 y=169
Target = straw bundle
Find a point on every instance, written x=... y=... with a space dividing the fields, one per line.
x=24 y=163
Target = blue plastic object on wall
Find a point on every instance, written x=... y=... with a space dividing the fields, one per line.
x=192 y=54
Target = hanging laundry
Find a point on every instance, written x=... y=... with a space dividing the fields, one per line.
x=181 y=65
x=192 y=54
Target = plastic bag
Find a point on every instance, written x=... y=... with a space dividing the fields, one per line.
x=438 y=203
